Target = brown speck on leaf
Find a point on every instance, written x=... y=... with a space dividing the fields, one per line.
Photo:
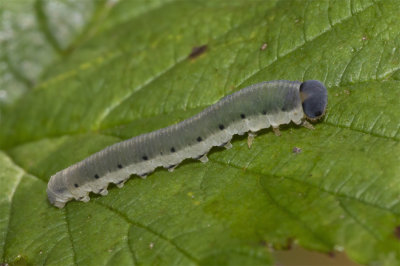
x=397 y=232
x=296 y=150
x=197 y=50
x=264 y=46
x=289 y=243
x=331 y=254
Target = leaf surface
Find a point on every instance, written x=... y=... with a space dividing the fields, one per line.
x=126 y=70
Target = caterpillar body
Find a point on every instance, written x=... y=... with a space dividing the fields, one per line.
x=253 y=108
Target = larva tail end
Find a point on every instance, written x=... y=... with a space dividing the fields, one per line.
x=54 y=200
x=314 y=98
x=57 y=193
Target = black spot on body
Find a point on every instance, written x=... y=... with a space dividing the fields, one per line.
x=76 y=185
x=171 y=166
x=221 y=126
x=145 y=158
x=172 y=149
x=96 y=176
x=264 y=112
x=242 y=116
x=199 y=139
x=197 y=51
x=119 y=166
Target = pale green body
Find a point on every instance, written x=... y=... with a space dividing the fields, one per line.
x=253 y=108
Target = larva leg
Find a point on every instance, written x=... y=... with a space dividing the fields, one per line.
x=120 y=184
x=307 y=124
x=228 y=145
x=250 y=139
x=276 y=130
x=103 y=191
x=204 y=158
x=172 y=168
x=85 y=198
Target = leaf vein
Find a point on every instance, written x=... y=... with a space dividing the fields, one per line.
x=161 y=236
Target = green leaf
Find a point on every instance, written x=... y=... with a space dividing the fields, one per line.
x=125 y=70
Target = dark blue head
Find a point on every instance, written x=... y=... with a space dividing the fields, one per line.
x=314 y=98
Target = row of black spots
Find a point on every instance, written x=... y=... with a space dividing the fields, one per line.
x=145 y=158
x=199 y=139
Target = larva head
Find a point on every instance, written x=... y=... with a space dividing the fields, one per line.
x=57 y=193
x=314 y=98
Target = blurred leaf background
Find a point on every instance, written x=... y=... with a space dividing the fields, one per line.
x=77 y=76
